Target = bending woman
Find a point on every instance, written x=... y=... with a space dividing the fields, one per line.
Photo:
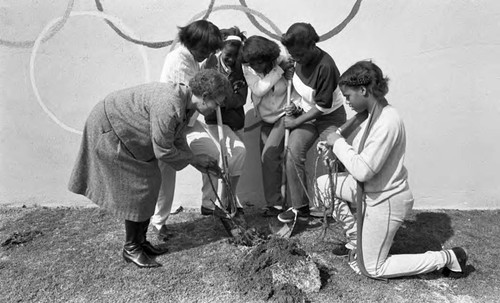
x=375 y=162
x=124 y=137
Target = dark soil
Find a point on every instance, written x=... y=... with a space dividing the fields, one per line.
x=270 y=253
x=254 y=273
x=74 y=255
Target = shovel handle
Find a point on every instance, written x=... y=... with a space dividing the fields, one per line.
x=285 y=149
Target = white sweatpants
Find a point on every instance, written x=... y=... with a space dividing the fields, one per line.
x=382 y=220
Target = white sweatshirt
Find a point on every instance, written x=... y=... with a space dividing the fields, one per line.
x=380 y=165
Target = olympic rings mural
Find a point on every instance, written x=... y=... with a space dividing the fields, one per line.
x=115 y=23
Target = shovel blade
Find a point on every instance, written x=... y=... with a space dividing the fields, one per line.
x=284 y=230
x=231 y=228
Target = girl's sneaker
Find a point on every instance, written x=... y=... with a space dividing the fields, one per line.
x=293 y=213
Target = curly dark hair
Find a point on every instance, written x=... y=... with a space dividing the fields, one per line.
x=368 y=74
x=201 y=34
x=258 y=48
x=300 y=34
x=212 y=82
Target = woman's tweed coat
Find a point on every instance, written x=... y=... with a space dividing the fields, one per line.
x=124 y=136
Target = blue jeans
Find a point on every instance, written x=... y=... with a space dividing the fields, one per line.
x=272 y=137
x=300 y=141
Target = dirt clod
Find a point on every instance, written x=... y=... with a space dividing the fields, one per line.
x=278 y=270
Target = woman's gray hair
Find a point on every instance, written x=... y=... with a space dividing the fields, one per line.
x=211 y=82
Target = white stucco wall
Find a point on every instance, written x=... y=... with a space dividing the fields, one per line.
x=441 y=56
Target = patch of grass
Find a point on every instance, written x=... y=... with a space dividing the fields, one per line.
x=74 y=255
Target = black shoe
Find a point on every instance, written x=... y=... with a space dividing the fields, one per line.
x=135 y=254
x=340 y=250
x=271 y=211
x=213 y=212
x=151 y=250
x=292 y=213
x=461 y=255
x=164 y=234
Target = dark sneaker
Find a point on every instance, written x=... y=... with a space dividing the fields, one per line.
x=293 y=213
x=461 y=255
x=271 y=211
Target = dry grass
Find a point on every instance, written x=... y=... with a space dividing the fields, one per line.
x=73 y=255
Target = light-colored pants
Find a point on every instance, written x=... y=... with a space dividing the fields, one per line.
x=204 y=139
x=165 y=196
x=345 y=191
x=382 y=220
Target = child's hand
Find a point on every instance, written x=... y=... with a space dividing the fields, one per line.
x=289 y=73
x=291 y=122
x=324 y=149
x=333 y=137
x=285 y=64
x=206 y=164
x=292 y=109
x=237 y=85
x=288 y=67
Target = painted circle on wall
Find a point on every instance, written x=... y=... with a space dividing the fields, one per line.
x=36 y=46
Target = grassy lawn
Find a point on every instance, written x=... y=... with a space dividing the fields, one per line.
x=74 y=255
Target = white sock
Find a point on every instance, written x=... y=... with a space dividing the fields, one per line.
x=350 y=245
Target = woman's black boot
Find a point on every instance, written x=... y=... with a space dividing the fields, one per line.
x=147 y=246
x=132 y=250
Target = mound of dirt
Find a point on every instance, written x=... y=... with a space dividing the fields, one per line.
x=278 y=270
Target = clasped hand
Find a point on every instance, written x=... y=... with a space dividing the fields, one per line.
x=237 y=85
x=291 y=113
x=206 y=164
x=288 y=67
x=291 y=122
x=292 y=109
x=325 y=150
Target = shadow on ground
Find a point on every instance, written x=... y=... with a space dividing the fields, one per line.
x=69 y=254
